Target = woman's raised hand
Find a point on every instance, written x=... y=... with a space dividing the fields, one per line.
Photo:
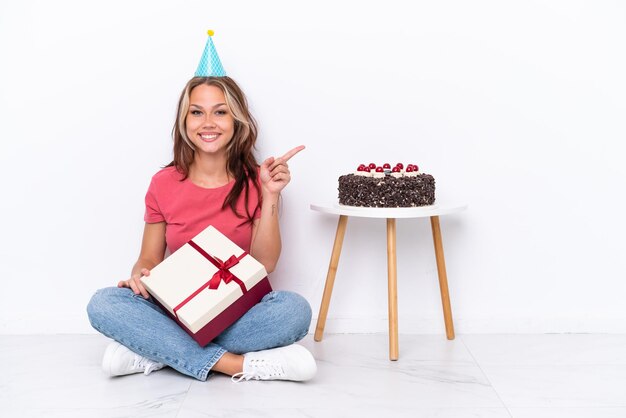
x=275 y=172
x=135 y=284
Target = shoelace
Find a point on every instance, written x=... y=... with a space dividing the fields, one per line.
x=261 y=369
x=141 y=362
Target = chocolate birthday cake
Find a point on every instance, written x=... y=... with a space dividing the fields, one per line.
x=386 y=187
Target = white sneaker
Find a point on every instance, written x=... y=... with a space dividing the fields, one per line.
x=292 y=362
x=119 y=360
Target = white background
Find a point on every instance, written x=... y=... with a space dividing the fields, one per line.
x=516 y=108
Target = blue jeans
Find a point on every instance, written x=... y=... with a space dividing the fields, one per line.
x=280 y=318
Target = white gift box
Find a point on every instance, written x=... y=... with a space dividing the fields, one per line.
x=201 y=297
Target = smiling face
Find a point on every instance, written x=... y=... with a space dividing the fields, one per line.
x=209 y=123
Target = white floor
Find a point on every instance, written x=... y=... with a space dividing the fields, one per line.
x=520 y=376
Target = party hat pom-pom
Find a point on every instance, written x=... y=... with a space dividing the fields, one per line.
x=210 y=32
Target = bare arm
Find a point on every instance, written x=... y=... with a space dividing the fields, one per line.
x=266 y=243
x=152 y=253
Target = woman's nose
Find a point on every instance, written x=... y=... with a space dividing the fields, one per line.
x=208 y=122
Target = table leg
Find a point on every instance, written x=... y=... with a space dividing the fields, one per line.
x=443 y=278
x=330 y=277
x=392 y=289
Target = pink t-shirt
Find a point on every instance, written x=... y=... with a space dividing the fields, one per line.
x=187 y=209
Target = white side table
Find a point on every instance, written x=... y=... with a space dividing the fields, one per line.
x=432 y=212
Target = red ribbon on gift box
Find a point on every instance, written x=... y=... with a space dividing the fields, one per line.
x=222 y=274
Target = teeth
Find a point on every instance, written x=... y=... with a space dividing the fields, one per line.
x=209 y=136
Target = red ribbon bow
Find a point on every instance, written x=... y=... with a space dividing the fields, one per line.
x=221 y=275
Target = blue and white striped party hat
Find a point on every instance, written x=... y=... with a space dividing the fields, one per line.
x=210 y=64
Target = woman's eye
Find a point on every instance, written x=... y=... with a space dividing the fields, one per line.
x=196 y=112
x=221 y=112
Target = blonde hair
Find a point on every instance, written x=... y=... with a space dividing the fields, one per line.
x=241 y=163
